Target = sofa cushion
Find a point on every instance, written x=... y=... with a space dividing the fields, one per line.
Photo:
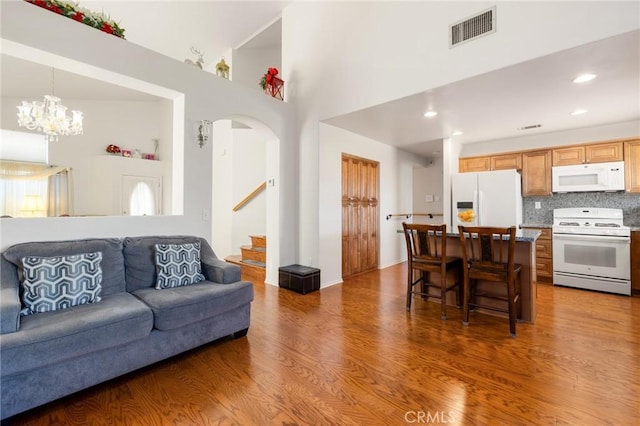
x=113 y=278
x=178 y=265
x=52 y=283
x=139 y=258
x=180 y=306
x=50 y=337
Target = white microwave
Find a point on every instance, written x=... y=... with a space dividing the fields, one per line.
x=588 y=177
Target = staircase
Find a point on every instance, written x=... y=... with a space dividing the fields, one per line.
x=253 y=260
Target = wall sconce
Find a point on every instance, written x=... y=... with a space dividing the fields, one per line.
x=204 y=130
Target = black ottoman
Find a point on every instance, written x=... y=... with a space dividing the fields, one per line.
x=299 y=278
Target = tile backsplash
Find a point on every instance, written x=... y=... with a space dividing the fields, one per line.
x=629 y=203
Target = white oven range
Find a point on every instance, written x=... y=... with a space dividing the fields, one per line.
x=591 y=250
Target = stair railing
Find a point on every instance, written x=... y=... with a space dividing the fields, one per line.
x=251 y=195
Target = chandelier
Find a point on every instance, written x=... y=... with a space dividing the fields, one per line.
x=49 y=116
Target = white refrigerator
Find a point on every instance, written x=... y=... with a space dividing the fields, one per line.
x=486 y=199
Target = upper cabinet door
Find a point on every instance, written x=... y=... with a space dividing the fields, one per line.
x=632 y=165
x=595 y=153
x=568 y=156
x=506 y=161
x=604 y=152
x=474 y=164
x=536 y=173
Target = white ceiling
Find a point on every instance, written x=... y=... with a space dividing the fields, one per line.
x=486 y=107
x=495 y=105
x=173 y=27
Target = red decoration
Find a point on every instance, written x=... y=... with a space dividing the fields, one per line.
x=275 y=88
x=113 y=149
x=272 y=85
x=66 y=8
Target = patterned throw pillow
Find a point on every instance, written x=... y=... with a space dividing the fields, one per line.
x=178 y=265
x=59 y=282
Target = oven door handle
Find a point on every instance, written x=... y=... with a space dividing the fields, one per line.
x=599 y=238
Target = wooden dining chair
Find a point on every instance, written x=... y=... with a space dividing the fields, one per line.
x=488 y=254
x=427 y=253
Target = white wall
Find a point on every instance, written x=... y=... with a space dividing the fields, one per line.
x=359 y=54
x=343 y=56
x=627 y=129
x=222 y=214
x=248 y=172
x=428 y=180
x=250 y=64
x=31 y=31
x=396 y=175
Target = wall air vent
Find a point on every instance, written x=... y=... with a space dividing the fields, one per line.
x=468 y=29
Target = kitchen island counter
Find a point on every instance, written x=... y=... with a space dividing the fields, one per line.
x=522 y=235
x=525 y=255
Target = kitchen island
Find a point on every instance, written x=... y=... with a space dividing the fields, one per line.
x=525 y=255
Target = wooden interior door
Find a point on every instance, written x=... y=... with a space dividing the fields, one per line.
x=360 y=215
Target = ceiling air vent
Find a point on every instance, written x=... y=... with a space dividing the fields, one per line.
x=532 y=126
x=478 y=25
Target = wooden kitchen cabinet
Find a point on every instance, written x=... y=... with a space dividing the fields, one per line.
x=632 y=166
x=635 y=263
x=568 y=156
x=506 y=161
x=544 y=256
x=593 y=153
x=493 y=162
x=604 y=152
x=474 y=164
x=536 y=173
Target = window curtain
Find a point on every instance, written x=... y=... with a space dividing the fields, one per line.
x=60 y=194
x=21 y=183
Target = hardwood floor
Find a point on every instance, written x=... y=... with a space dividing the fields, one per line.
x=351 y=355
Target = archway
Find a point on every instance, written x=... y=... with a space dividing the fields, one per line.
x=253 y=167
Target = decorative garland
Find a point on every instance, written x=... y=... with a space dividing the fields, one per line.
x=73 y=11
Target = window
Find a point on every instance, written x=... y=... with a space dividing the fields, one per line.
x=141 y=195
x=142 y=201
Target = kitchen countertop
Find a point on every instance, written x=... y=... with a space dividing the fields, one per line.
x=535 y=225
x=523 y=235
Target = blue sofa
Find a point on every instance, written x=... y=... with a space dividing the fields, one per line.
x=48 y=355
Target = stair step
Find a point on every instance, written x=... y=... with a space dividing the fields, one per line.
x=249 y=271
x=254 y=253
x=258 y=240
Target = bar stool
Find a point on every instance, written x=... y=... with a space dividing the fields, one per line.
x=427 y=253
x=486 y=258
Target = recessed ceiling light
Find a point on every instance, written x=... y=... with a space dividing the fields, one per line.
x=456 y=133
x=579 y=111
x=430 y=114
x=583 y=78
